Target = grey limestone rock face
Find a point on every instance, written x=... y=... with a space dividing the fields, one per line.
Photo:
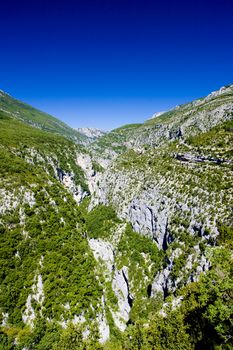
x=163 y=281
x=150 y=211
x=104 y=254
x=104 y=329
x=68 y=181
x=92 y=133
x=120 y=287
x=92 y=178
x=152 y=202
x=149 y=220
x=142 y=217
x=175 y=133
x=160 y=283
x=221 y=91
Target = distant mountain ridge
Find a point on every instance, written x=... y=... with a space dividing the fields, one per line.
x=92 y=133
x=185 y=120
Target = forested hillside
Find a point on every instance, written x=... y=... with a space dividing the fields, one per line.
x=122 y=243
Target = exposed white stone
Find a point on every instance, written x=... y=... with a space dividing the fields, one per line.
x=149 y=220
x=92 y=133
x=104 y=254
x=68 y=181
x=67 y=306
x=38 y=289
x=174 y=304
x=22 y=216
x=160 y=282
x=5 y=316
x=29 y=314
x=29 y=198
x=37 y=295
x=41 y=261
x=157 y=114
x=104 y=329
x=6 y=201
x=120 y=288
x=79 y=319
x=17 y=255
x=25 y=234
x=103 y=250
x=189 y=262
x=10 y=200
x=219 y=92
x=85 y=162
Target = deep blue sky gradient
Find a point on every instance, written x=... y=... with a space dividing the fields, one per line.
x=106 y=63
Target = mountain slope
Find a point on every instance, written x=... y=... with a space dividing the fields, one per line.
x=123 y=244
x=181 y=122
x=174 y=189
x=47 y=267
x=36 y=118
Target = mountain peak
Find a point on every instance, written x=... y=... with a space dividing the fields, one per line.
x=92 y=133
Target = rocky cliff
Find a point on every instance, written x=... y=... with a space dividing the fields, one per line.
x=92 y=133
x=100 y=242
x=171 y=182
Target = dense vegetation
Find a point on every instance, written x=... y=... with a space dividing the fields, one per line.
x=24 y=149
x=52 y=286
x=100 y=221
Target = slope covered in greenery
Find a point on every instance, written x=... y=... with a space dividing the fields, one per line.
x=34 y=117
x=134 y=256
x=200 y=316
x=181 y=122
x=46 y=263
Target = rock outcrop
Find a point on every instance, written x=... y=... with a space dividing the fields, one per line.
x=104 y=255
x=168 y=197
x=149 y=220
x=68 y=180
x=120 y=286
x=92 y=133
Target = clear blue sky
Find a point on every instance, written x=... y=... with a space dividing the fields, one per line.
x=104 y=63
